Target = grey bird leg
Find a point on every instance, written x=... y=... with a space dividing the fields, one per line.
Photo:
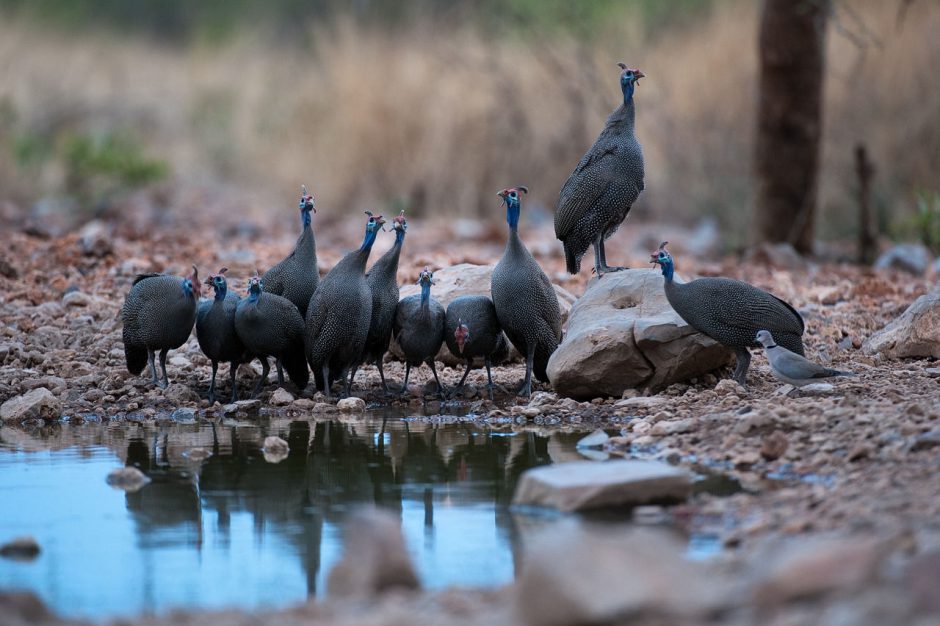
x=166 y=379
x=265 y=370
x=378 y=365
x=352 y=375
x=526 y=388
x=463 y=379
x=604 y=266
x=440 y=387
x=153 y=367
x=326 y=380
x=743 y=361
x=404 y=387
x=215 y=368
x=347 y=384
x=232 y=371
x=489 y=377
x=280 y=373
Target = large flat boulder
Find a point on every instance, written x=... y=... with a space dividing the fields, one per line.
x=580 y=485
x=622 y=333
x=466 y=279
x=916 y=333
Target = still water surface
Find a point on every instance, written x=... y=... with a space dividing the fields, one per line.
x=230 y=529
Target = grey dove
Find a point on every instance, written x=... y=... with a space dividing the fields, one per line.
x=792 y=368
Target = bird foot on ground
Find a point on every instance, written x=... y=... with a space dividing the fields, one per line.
x=607 y=269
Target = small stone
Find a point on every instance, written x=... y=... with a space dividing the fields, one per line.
x=38 y=403
x=673 y=427
x=178 y=393
x=76 y=298
x=745 y=459
x=275 y=449
x=727 y=386
x=303 y=404
x=817 y=389
x=24 y=548
x=913 y=258
x=926 y=441
x=94 y=239
x=129 y=479
x=596 y=439
x=351 y=405
x=229 y=409
x=248 y=406
x=641 y=427
x=579 y=485
x=644 y=440
x=526 y=411
x=281 y=397
x=860 y=451
x=642 y=402
x=933 y=372
x=773 y=446
x=180 y=361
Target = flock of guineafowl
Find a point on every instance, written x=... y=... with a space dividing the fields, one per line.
x=336 y=324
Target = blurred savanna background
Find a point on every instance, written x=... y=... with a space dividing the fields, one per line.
x=434 y=105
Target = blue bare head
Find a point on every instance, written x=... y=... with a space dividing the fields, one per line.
x=306 y=206
x=629 y=79
x=513 y=199
x=425 y=279
x=217 y=282
x=255 y=287
x=662 y=258
x=373 y=225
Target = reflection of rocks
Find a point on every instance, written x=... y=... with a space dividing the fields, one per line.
x=580 y=485
x=129 y=479
x=275 y=449
x=375 y=557
x=624 y=334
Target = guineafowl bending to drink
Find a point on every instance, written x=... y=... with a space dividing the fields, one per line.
x=597 y=196
x=525 y=300
x=383 y=284
x=297 y=276
x=339 y=314
x=215 y=330
x=158 y=314
x=419 y=329
x=731 y=312
x=269 y=325
x=471 y=330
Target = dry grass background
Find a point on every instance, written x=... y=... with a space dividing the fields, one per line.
x=438 y=118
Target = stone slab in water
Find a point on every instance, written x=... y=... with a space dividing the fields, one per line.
x=580 y=485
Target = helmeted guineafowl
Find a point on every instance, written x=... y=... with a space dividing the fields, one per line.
x=419 y=329
x=296 y=277
x=270 y=325
x=339 y=314
x=731 y=312
x=158 y=314
x=597 y=196
x=383 y=284
x=471 y=330
x=525 y=300
x=215 y=330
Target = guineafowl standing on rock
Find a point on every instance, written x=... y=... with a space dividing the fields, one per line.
x=731 y=312
x=296 y=277
x=215 y=330
x=419 y=329
x=339 y=314
x=597 y=196
x=383 y=284
x=471 y=330
x=158 y=314
x=525 y=300
x=269 y=325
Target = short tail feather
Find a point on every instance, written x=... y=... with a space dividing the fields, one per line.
x=136 y=359
x=296 y=366
x=572 y=259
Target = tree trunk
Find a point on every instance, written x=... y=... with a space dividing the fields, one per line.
x=792 y=52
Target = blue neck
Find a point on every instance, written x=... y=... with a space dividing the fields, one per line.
x=187 y=288
x=512 y=213
x=220 y=291
x=369 y=240
x=627 y=91
x=305 y=219
x=399 y=235
x=253 y=294
x=425 y=293
x=667 y=271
